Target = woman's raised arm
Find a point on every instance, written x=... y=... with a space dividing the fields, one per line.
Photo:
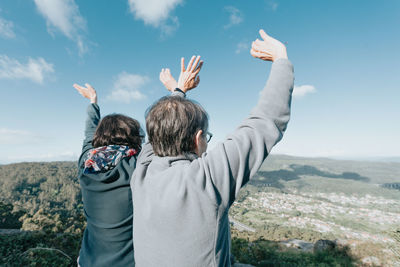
x=93 y=114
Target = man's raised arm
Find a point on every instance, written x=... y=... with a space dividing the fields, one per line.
x=231 y=163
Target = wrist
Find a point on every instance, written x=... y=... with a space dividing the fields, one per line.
x=281 y=54
x=179 y=90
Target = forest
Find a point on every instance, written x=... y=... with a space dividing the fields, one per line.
x=42 y=201
x=42 y=222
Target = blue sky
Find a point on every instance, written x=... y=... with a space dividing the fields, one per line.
x=345 y=53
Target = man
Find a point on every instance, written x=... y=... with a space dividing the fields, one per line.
x=182 y=194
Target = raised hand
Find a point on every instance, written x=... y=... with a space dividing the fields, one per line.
x=188 y=78
x=88 y=92
x=269 y=49
x=167 y=79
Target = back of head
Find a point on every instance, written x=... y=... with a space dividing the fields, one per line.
x=172 y=123
x=117 y=129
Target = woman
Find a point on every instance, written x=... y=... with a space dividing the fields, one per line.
x=108 y=159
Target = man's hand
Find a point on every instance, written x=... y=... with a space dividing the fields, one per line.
x=188 y=78
x=167 y=79
x=269 y=49
x=87 y=92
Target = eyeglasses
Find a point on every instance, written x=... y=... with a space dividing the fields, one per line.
x=209 y=136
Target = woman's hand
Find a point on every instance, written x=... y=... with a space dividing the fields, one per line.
x=167 y=79
x=269 y=49
x=87 y=92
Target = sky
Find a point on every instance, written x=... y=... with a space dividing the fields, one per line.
x=345 y=55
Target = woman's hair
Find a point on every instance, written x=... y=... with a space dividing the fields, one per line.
x=172 y=123
x=117 y=129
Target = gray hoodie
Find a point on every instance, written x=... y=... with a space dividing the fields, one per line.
x=182 y=203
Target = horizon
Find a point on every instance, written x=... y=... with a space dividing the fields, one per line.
x=395 y=160
x=345 y=57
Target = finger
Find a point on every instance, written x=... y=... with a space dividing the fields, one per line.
x=182 y=64
x=164 y=76
x=167 y=71
x=199 y=67
x=257 y=47
x=256 y=54
x=197 y=80
x=260 y=47
x=88 y=85
x=82 y=91
x=190 y=63
x=258 y=42
x=195 y=63
x=264 y=35
x=77 y=87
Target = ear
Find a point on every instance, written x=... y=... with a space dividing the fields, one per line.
x=197 y=140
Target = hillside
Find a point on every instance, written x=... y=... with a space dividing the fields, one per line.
x=308 y=199
x=49 y=191
x=312 y=199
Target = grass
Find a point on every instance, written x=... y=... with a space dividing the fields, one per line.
x=262 y=253
x=39 y=249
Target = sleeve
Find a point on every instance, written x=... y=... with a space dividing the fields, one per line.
x=93 y=118
x=233 y=162
x=147 y=153
x=178 y=93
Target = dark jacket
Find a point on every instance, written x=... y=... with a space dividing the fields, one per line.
x=107 y=202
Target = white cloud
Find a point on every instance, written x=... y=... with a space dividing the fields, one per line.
x=242 y=46
x=64 y=16
x=273 y=5
x=34 y=69
x=6 y=29
x=13 y=137
x=156 y=13
x=126 y=87
x=170 y=27
x=302 y=90
x=235 y=16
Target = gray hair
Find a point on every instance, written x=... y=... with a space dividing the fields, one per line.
x=172 y=123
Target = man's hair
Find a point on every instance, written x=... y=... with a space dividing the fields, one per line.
x=172 y=123
x=117 y=129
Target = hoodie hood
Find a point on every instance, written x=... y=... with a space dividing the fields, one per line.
x=105 y=158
